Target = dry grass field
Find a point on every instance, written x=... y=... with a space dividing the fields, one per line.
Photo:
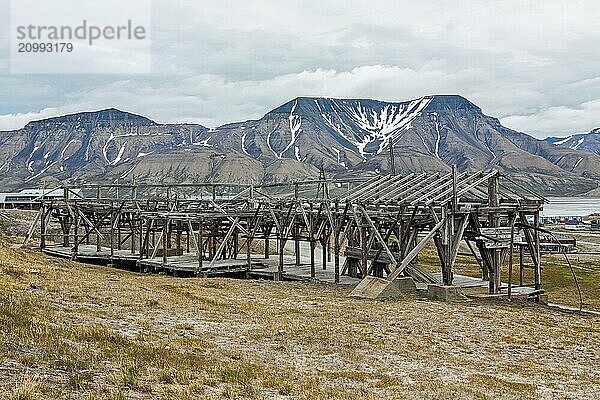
x=73 y=331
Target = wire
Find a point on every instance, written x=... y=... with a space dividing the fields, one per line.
x=566 y=258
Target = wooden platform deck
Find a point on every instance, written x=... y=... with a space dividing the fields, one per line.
x=187 y=265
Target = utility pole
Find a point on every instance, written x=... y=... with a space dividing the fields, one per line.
x=392 y=160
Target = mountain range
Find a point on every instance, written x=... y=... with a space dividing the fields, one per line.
x=583 y=141
x=344 y=137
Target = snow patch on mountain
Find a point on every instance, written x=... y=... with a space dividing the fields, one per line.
x=119 y=156
x=576 y=145
x=270 y=146
x=438 y=135
x=4 y=166
x=565 y=140
x=64 y=150
x=46 y=168
x=29 y=163
x=244 y=144
x=295 y=122
x=124 y=174
x=105 y=147
x=378 y=124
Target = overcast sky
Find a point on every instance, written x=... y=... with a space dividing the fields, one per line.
x=533 y=64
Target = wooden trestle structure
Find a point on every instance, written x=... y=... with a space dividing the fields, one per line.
x=370 y=227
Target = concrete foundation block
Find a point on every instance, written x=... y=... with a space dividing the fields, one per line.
x=544 y=299
x=379 y=288
x=445 y=293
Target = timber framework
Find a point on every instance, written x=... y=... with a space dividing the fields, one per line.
x=333 y=230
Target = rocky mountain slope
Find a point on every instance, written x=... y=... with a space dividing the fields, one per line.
x=583 y=141
x=343 y=136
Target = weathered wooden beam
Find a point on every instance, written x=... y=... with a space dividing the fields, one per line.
x=413 y=253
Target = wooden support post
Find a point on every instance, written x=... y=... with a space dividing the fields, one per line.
x=236 y=239
x=352 y=269
x=392 y=158
x=538 y=258
x=132 y=227
x=336 y=258
x=324 y=248
x=248 y=244
x=448 y=276
x=297 y=244
x=281 y=244
x=76 y=236
x=213 y=239
x=140 y=234
x=267 y=244
x=494 y=222
x=521 y=268
x=187 y=241
x=98 y=238
x=312 y=258
x=164 y=241
x=64 y=225
x=364 y=251
x=118 y=233
x=112 y=233
x=336 y=243
x=200 y=248
x=178 y=237
x=43 y=211
x=169 y=233
x=510 y=255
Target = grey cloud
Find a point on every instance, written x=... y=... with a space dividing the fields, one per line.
x=531 y=64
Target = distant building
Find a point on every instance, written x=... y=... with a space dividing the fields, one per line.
x=557 y=244
x=561 y=219
x=30 y=199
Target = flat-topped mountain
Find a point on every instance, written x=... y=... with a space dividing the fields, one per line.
x=343 y=136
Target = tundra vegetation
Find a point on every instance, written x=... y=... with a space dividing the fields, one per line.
x=75 y=331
